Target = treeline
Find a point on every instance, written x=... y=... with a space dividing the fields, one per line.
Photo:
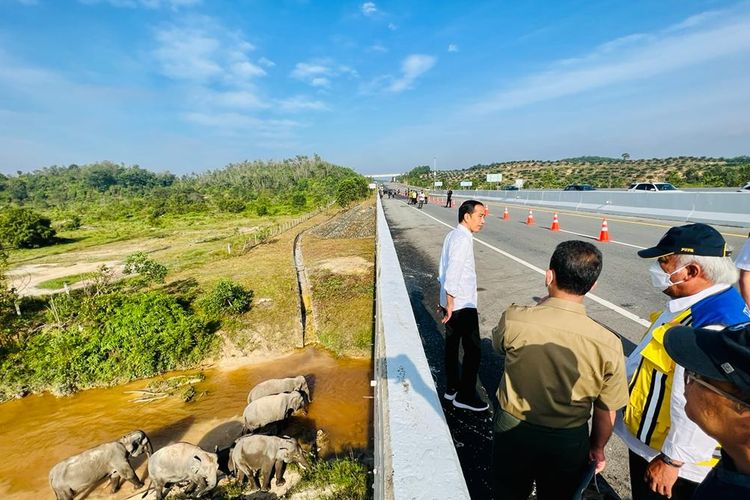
x=600 y=172
x=109 y=190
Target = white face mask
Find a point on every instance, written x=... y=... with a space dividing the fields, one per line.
x=661 y=279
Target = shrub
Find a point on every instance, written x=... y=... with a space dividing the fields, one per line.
x=24 y=228
x=227 y=297
x=116 y=338
x=149 y=271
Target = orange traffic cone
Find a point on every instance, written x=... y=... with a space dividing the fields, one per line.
x=506 y=215
x=530 y=218
x=555 y=223
x=604 y=233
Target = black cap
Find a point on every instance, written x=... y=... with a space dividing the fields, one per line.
x=717 y=354
x=692 y=239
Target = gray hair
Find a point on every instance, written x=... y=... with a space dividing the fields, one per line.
x=717 y=270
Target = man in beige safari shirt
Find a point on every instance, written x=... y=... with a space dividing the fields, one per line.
x=559 y=364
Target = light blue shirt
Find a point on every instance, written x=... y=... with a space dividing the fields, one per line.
x=457 y=275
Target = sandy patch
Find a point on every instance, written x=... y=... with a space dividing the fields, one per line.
x=345 y=265
x=25 y=279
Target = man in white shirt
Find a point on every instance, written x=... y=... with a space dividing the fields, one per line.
x=458 y=304
x=743 y=264
x=670 y=454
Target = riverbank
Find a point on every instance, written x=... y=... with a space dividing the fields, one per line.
x=197 y=257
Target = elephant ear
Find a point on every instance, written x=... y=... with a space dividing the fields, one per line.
x=195 y=466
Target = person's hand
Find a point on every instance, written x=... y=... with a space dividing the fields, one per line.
x=660 y=477
x=447 y=313
x=598 y=457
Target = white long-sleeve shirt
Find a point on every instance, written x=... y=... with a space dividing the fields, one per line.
x=457 y=275
x=685 y=442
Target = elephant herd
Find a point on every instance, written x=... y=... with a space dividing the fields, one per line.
x=186 y=465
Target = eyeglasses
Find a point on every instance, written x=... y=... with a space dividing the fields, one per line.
x=694 y=377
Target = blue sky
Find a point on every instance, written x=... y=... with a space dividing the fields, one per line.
x=190 y=85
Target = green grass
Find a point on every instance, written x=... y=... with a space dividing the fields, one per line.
x=57 y=283
x=345 y=477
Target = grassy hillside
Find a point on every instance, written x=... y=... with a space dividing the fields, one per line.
x=600 y=172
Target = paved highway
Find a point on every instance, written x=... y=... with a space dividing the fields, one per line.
x=511 y=257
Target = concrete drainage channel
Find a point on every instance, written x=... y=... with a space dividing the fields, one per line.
x=304 y=292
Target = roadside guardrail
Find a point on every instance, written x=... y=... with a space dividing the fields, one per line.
x=711 y=207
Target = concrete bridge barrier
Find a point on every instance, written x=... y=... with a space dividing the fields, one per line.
x=711 y=207
x=414 y=453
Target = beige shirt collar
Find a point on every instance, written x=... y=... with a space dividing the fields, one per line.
x=565 y=304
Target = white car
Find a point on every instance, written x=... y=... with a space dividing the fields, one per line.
x=745 y=188
x=653 y=186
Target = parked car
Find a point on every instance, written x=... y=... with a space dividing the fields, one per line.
x=745 y=188
x=579 y=187
x=653 y=186
x=510 y=187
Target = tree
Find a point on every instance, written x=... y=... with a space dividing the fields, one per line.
x=24 y=228
x=626 y=156
x=351 y=189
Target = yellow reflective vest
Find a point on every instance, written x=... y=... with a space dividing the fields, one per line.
x=647 y=415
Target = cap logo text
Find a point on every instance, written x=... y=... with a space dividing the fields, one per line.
x=687 y=250
x=727 y=368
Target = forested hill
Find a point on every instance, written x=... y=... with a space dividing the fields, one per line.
x=110 y=189
x=600 y=172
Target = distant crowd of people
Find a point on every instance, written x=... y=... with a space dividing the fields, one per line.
x=680 y=401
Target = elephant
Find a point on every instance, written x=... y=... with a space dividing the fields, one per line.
x=183 y=463
x=269 y=409
x=256 y=452
x=279 y=385
x=80 y=472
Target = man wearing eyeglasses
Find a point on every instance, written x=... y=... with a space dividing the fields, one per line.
x=717 y=390
x=669 y=454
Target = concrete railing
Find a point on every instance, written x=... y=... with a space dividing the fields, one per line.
x=724 y=208
x=414 y=452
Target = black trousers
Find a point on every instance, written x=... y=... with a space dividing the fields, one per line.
x=524 y=453
x=462 y=329
x=682 y=489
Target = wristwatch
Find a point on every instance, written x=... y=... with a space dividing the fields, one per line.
x=668 y=461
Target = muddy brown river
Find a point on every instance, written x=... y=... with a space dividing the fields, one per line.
x=38 y=431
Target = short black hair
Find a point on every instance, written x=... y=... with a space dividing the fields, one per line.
x=577 y=265
x=467 y=207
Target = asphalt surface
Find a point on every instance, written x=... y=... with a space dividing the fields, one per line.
x=505 y=252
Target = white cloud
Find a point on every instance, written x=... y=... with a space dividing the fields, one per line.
x=301 y=103
x=452 y=47
x=148 y=4
x=377 y=47
x=320 y=82
x=412 y=67
x=634 y=57
x=369 y=8
x=320 y=73
x=392 y=27
x=266 y=62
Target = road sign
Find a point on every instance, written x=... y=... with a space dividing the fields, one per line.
x=466 y=183
x=438 y=183
x=494 y=177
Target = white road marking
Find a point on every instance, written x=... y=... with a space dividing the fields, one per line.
x=597 y=239
x=609 y=305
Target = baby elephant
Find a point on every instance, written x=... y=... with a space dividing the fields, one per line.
x=183 y=463
x=269 y=409
x=279 y=385
x=265 y=454
x=80 y=472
